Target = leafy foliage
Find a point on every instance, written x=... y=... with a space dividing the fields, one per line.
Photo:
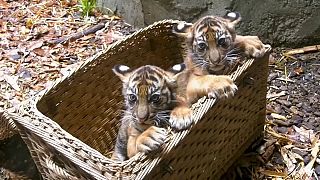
x=87 y=7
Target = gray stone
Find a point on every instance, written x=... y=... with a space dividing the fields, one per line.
x=287 y=23
x=282 y=130
x=317 y=113
x=131 y=10
x=317 y=169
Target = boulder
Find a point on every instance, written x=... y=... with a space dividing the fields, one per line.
x=280 y=23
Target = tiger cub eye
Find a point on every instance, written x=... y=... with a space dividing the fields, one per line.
x=155 y=98
x=132 y=98
x=202 y=46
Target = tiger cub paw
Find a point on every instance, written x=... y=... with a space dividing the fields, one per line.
x=254 y=47
x=181 y=118
x=223 y=88
x=151 y=139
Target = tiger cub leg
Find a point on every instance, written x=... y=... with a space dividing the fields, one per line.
x=251 y=46
x=145 y=142
x=120 y=150
x=213 y=86
x=181 y=116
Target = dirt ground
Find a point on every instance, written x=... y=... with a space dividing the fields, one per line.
x=292 y=115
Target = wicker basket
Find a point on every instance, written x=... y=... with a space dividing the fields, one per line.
x=71 y=128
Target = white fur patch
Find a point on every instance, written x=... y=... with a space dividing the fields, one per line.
x=181 y=25
x=177 y=67
x=232 y=15
x=123 y=68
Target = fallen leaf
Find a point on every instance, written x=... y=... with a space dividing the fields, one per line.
x=35 y=45
x=278 y=116
x=314 y=154
x=4 y=4
x=273 y=173
x=13 y=54
x=12 y=81
x=29 y=23
x=276 y=95
x=299 y=70
x=39 y=51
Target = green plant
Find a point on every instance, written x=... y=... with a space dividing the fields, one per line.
x=87 y=6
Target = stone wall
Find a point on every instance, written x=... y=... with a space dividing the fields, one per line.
x=279 y=22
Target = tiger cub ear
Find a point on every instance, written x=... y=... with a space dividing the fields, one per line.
x=174 y=72
x=177 y=68
x=233 y=18
x=182 y=28
x=122 y=71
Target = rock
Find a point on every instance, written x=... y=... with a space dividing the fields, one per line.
x=307 y=77
x=293 y=22
x=299 y=105
x=306 y=159
x=308 y=109
x=285 y=102
x=278 y=109
x=308 y=125
x=311 y=120
x=313 y=100
x=317 y=113
x=317 y=169
x=296 y=120
x=272 y=76
x=283 y=88
x=282 y=130
x=294 y=110
x=278 y=158
x=132 y=11
x=300 y=152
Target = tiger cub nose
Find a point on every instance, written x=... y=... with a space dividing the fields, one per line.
x=142 y=117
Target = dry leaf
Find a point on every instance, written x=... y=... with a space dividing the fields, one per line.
x=4 y=4
x=39 y=52
x=273 y=173
x=12 y=80
x=299 y=70
x=278 y=116
x=35 y=45
x=29 y=23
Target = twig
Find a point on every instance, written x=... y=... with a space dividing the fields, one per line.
x=78 y=35
x=302 y=50
x=285 y=79
x=68 y=22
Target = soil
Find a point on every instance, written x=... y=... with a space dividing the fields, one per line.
x=300 y=103
x=292 y=106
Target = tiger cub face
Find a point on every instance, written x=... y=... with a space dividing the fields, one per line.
x=148 y=92
x=210 y=41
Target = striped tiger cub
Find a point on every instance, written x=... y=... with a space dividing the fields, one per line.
x=213 y=45
x=149 y=94
x=212 y=50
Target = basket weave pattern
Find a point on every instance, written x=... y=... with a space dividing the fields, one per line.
x=71 y=128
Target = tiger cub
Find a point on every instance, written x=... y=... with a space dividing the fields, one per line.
x=213 y=45
x=212 y=50
x=149 y=94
